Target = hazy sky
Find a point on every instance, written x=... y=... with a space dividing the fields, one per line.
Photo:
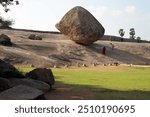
x=112 y=14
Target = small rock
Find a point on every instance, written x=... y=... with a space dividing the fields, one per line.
x=84 y=65
x=110 y=64
x=31 y=65
x=93 y=64
x=38 y=38
x=55 y=66
x=116 y=63
x=32 y=36
x=104 y=64
x=35 y=37
x=5 y=40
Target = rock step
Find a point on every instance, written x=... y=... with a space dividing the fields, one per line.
x=21 y=92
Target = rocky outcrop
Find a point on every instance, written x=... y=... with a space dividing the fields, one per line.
x=9 y=71
x=5 y=40
x=4 y=84
x=42 y=74
x=35 y=37
x=81 y=26
x=32 y=36
x=14 y=86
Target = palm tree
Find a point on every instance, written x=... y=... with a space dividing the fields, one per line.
x=132 y=33
x=121 y=33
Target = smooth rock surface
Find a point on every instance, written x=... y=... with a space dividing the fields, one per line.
x=20 y=92
x=42 y=74
x=31 y=83
x=4 y=84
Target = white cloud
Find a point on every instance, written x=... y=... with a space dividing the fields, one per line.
x=130 y=9
x=98 y=10
x=117 y=12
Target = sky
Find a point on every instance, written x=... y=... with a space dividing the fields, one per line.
x=112 y=14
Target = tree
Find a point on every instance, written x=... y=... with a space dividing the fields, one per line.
x=121 y=33
x=138 y=39
x=6 y=3
x=132 y=33
x=6 y=23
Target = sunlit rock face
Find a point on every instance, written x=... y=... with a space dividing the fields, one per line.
x=81 y=26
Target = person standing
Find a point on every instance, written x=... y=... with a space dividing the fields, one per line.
x=104 y=50
x=112 y=46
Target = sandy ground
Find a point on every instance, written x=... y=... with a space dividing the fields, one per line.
x=57 y=50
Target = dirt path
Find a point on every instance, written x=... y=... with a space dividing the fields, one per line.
x=63 y=92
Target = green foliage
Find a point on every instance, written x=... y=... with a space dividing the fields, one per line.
x=132 y=33
x=121 y=32
x=6 y=23
x=6 y=3
x=138 y=39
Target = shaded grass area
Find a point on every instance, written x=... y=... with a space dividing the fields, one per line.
x=108 y=94
x=107 y=83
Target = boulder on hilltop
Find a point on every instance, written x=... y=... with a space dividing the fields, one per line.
x=81 y=26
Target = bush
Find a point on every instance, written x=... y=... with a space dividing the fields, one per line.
x=6 y=23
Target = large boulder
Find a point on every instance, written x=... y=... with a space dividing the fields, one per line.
x=81 y=26
x=31 y=83
x=4 y=84
x=9 y=71
x=5 y=40
x=21 y=92
x=42 y=74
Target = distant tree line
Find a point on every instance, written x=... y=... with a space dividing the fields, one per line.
x=131 y=33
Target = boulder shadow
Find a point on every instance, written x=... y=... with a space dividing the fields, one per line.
x=88 y=92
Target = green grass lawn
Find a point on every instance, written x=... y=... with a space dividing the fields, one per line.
x=107 y=83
